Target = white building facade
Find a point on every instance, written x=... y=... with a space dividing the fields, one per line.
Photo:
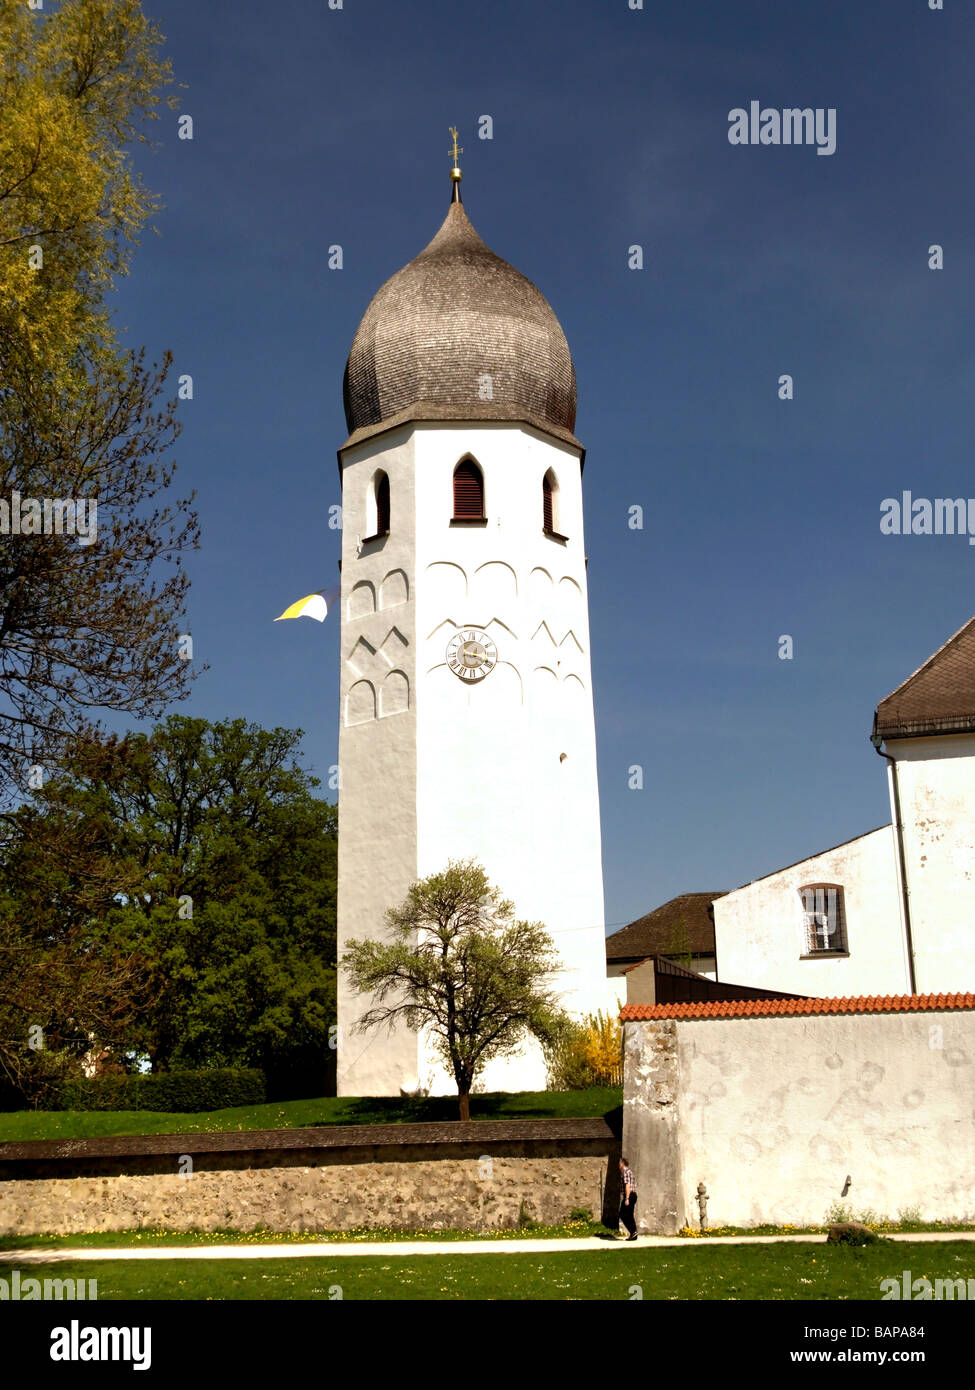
x=889 y=912
x=466 y=726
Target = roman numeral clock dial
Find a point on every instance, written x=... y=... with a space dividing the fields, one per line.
x=471 y=654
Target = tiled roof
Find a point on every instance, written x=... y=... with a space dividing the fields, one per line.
x=662 y=932
x=765 y=1008
x=939 y=698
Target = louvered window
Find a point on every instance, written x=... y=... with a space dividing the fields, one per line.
x=551 y=507
x=468 y=492
x=824 y=918
x=382 y=506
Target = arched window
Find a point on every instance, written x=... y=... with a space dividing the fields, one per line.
x=550 y=505
x=468 y=492
x=382 y=506
x=377 y=506
x=824 y=918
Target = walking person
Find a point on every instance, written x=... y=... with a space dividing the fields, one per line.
x=628 y=1202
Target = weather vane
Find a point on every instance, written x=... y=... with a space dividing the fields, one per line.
x=455 y=174
x=457 y=150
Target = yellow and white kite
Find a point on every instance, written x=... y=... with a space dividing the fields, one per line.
x=314 y=605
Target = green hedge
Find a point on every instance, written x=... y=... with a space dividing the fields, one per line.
x=186 y=1092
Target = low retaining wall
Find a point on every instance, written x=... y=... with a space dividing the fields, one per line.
x=800 y=1106
x=478 y=1176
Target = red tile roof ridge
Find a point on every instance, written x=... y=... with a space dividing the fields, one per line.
x=766 y=1008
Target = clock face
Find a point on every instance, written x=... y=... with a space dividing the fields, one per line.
x=471 y=654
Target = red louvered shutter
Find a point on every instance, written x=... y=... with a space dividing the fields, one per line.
x=468 y=493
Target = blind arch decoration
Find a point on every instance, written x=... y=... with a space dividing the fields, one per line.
x=468 y=491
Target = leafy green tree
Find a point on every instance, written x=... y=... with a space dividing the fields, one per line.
x=86 y=621
x=65 y=978
x=79 y=81
x=461 y=966
x=197 y=859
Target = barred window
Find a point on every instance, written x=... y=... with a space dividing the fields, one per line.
x=824 y=918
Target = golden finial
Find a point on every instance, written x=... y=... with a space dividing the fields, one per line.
x=457 y=150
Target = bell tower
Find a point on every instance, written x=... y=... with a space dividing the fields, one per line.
x=466 y=722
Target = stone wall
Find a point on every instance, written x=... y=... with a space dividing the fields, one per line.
x=433 y=1185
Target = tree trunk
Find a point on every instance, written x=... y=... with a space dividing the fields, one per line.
x=464 y=1102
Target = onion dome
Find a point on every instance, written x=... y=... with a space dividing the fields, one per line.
x=459 y=334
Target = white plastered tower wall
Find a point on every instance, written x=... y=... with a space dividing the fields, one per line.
x=503 y=770
x=377 y=747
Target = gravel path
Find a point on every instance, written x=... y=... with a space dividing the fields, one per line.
x=338 y=1250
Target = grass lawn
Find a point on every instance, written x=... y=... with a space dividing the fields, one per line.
x=151 y=1237
x=19 y=1125
x=783 y=1272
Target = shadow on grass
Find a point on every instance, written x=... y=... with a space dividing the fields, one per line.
x=556 y=1105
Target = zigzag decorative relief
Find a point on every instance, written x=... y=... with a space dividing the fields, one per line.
x=393 y=646
x=362 y=657
x=367 y=660
x=467 y=600
x=446 y=629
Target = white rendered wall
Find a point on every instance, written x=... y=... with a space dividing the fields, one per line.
x=472 y=770
x=759 y=928
x=775 y=1113
x=377 y=753
x=616 y=992
x=937 y=793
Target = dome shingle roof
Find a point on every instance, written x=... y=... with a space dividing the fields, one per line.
x=459 y=334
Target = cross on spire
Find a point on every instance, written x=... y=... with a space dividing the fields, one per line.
x=457 y=149
x=455 y=174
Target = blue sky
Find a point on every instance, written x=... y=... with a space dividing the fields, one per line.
x=315 y=126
